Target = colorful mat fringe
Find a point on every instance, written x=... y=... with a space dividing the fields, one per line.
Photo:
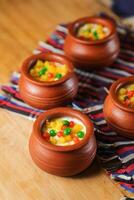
x=115 y=152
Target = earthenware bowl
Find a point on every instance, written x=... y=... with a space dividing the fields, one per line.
x=87 y=54
x=44 y=95
x=118 y=116
x=62 y=160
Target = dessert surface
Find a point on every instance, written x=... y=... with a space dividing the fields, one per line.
x=47 y=71
x=63 y=131
x=126 y=95
x=93 y=31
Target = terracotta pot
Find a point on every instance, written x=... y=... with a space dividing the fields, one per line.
x=87 y=54
x=44 y=95
x=118 y=116
x=62 y=160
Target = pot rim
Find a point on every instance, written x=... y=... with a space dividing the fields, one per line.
x=46 y=56
x=113 y=92
x=107 y=22
x=58 y=112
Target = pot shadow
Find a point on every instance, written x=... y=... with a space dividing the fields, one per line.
x=93 y=170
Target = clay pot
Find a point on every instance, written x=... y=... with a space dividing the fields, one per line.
x=118 y=116
x=62 y=160
x=44 y=95
x=87 y=54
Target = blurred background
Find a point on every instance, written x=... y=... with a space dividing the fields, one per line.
x=24 y=22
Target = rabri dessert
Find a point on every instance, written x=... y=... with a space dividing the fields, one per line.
x=47 y=80
x=48 y=71
x=92 y=43
x=63 y=131
x=119 y=107
x=126 y=95
x=62 y=141
x=93 y=31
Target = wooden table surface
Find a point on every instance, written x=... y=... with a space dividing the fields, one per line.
x=22 y=24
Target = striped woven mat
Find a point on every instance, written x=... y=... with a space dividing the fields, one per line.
x=116 y=153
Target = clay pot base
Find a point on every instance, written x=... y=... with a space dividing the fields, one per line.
x=40 y=164
x=122 y=132
x=95 y=65
x=47 y=104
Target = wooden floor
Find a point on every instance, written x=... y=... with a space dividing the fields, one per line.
x=22 y=24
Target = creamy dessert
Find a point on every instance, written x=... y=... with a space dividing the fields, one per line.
x=63 y=131
x=93 y=31
x=126 y=95
x=48 y=71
